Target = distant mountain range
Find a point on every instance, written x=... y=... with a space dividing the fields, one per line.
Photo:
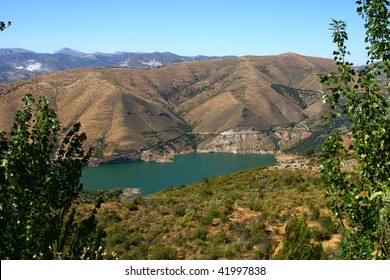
x=246 y=104
x=17 y=64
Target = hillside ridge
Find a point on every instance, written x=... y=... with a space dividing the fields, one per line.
x=242 y=215
x=245 y=104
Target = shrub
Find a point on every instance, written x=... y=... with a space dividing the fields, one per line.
x=133 y=204
x=179 y=210
x=256 y=204
x=209 y=217
x=297 y=243
x=199 y=233
x=162 y=252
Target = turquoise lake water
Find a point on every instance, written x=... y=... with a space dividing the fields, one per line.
x=185 y=169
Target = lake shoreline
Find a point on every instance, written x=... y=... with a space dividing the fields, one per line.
x=185 y=169
x=135 y=157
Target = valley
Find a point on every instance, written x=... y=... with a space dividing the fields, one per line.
x=211 y=118
x=239 y=105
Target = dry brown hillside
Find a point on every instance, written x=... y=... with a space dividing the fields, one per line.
x=127 y=110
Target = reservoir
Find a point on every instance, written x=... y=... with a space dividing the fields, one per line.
x=151 y=177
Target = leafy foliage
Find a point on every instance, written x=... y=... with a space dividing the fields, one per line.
x=39 y=184
x=297 y=243
x=4 y=25
x=361 y=195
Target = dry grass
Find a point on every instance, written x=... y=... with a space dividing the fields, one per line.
x=124 y=110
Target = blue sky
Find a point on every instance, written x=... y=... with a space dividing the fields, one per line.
x=193 y=27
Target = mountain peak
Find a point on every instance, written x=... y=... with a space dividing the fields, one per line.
x=289 y=54
x=71 y=52
x=13 y=51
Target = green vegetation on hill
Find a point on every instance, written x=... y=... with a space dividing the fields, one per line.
x=310 y=145
x=313 y=144
x=237 y=216
x=298 y=96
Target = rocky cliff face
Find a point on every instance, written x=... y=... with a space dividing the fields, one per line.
x=240 y=141
x=250 y=141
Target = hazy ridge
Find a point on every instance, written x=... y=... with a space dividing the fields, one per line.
x=17 y=63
